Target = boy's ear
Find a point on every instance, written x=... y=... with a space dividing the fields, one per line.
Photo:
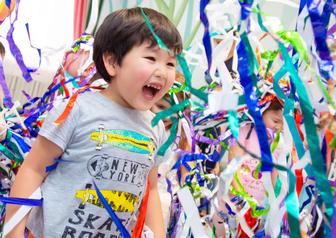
x=110 y=65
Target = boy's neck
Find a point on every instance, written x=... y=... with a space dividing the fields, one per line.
x=110 y=94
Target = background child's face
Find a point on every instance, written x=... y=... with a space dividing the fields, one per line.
x=74 y=61
x=143 y=78
x=162 y=105
x=273 y=119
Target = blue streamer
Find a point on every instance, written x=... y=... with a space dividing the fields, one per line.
x=190 y=157
x=320 y=28
x=55 y=164
x=302 y=5
x=246 y=8
x=23 y=145
x=206 y=36
x=310 y=191
x=246 y=74
x=112 y=214
x=22 y=201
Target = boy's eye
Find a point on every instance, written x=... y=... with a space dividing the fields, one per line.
x=151 y=58
x=162 y=107
x=171 y=64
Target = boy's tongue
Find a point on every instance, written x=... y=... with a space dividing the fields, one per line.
x=149 y=92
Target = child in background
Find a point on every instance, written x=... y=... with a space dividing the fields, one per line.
x=107 y=139
x=248 y=139
x=171 y=156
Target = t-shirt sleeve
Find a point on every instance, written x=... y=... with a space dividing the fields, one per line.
x=163 y=136
x=61 y=134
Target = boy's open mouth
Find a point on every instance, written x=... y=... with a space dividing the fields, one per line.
x=150 y=90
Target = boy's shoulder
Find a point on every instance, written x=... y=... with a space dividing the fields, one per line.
x=91 y=99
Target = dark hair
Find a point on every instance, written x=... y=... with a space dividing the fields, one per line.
x=275 y=105
x=2 y=50
x=126 y=28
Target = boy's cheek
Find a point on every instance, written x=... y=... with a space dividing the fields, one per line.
x=142 y=74
x=170 y=82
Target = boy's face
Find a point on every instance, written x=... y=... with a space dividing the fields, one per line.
x=143 y=78
x=273 y=119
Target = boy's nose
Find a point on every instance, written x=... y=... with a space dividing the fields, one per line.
x=160 y=72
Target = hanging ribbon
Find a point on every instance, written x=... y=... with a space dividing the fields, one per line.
x=7 y=100
x=112 y=214
x=313 y=141
x=320 y=27
x=22 y=201
x=245 y=69
x=137 y=231
x=246 y=8
x=206 y=35
x=26 y=72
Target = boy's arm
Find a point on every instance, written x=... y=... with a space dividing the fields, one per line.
x=154 y=217
x=30 y=176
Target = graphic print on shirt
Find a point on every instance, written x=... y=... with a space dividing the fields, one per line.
x=119 y=201
x=84 y=223
x=128 y=167
x=123 y=139
x=118 y=169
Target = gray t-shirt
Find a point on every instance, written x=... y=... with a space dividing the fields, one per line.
x=102 y=142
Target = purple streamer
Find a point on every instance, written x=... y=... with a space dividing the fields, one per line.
x=333 y=223
x=16 y=51
x=319 y=25
x=7 y=101
x=332 y=30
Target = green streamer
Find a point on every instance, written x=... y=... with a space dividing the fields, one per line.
x=192 y=34
x=156 y=37
x=275 y=142
x=234 y=124
x=170 y=111
x=162 y=150
x=163 y=7
x=88 y=14
x=251 y=201
x=171 y=10
x=180 y=12
x=312 y=136
x=333 y=143
x=296 y=41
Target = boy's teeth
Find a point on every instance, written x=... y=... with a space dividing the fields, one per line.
x=154 y=86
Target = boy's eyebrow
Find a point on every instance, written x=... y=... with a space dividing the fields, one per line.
x=157 y=48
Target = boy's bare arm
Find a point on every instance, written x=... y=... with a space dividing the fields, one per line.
x=154 y=217
x=30 y=176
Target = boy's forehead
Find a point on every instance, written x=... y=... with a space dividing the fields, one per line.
x=157 y=49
